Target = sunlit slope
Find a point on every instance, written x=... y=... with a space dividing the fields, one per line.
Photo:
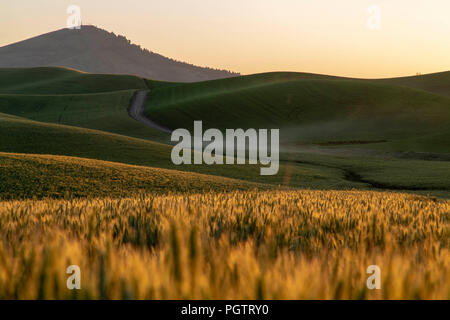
x=60 y=176
x=50 y=80
x=308 y=108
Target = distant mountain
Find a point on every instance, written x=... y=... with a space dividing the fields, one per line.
x=91 y=49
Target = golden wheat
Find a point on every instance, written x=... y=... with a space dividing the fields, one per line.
x=240 y=245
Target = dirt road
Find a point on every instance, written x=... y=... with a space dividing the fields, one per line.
x=136 y=111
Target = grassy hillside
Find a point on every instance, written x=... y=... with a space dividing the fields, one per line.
x=63 y=81
x=97 y=126
x=65 y=96
x=308 y=108
x=385 y=173
x=303 y=171
x=100 y=111
x=40 y=176
x=436 y=82
x=26 y=136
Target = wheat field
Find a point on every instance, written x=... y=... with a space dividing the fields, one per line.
x=238 y=245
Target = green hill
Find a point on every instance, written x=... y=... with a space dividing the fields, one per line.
x=435 y=82
x=99 y=111
x=42 y=176
x=21 y=135
x=51 y=80
x=310 y=109
x=70 y=97
x=40 y=115
x=303 y=171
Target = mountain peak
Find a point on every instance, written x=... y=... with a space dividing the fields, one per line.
x=95 y=50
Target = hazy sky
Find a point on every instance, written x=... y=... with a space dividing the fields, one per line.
x=251 y=36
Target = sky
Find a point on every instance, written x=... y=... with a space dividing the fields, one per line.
x=358 y=38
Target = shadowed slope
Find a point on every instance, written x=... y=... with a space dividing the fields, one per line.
x=436 y=82
x=99 y=111
x=308 y=108
x=63 y=81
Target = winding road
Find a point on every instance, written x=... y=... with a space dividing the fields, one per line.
x=137 y=108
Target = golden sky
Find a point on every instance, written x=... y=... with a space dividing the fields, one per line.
x=252 y=36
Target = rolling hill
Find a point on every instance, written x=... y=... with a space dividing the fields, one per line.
x=63 y=81
x=62 y=112
x=46 y=176
x=315 y=109
x=94 y=50
x=103 y=111
x=20 y=135
x=436 y=82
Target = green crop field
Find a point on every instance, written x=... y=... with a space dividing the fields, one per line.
x=47 y=176
x=21 y=135
x=63 y=81
x=314 y=109
x=437 y=82
x=99 y=111
x=58 y=111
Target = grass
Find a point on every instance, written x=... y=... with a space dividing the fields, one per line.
x=82 y=183
x=99 y=111
x=436 y=82
x=239 y=245
x=50 y=117
x=384 y=173
x=27 y=176
x=48 y=80
x=21 y=135
x=305 y=171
